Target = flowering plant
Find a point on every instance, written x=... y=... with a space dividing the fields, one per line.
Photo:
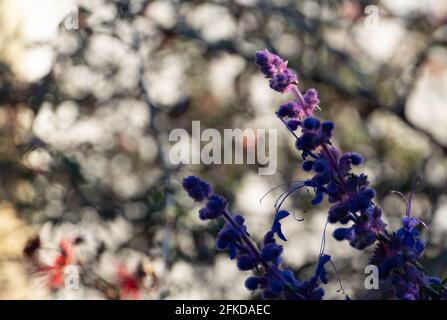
x=351 y=198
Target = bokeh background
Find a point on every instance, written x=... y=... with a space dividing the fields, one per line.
x=89 y=91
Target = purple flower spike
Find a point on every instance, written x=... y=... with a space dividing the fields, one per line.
x=215 y=207
x=311 y=101
x=269 y=63
x=351 y=198
x=352 y=202
x=233 y=237
x=274 y=68
x=283 y=81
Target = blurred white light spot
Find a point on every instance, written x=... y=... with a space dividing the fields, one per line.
x=426 y=105
x=215 y=22
x=439 y=223
x=261 y=97
x=432 y=8
x=223 y=72
x=35 y=63
x=165 y=84
x=38 y=159
x=252 y=188
x=66 y=114
x=148 y=148
x=162 y=12
x=382 y=41
x=41 y=18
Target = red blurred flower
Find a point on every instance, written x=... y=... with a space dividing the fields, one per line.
x=130 y=284
x=55 y=271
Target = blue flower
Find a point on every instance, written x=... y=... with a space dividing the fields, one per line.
x=404 y=289
x=339 y=213
x=276 y=227
x=289 y=109
x=311 y=123
x=356 y=159
x=215 y=207
x=276 y=286
x=269 y=295
x=313 y=135
x=345 y=161
x=247 y=262
x=310 y=290
x=197 y=189
x=271 y=252
x=252 y=283
x=293 y=124
x=342 y=234
x=228 y=238
x=290 y=279
x=327 y=127
x=307 y=165
x=321 y=272
x=318 y=196
x=361 y=200
x=320 y=166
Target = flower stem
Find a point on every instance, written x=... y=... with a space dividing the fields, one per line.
x=273 y=269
